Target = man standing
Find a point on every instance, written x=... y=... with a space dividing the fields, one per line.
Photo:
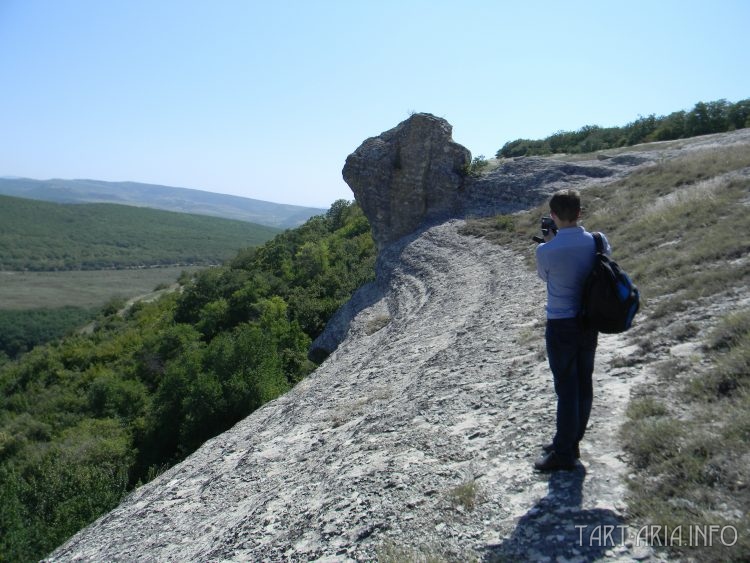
x=564 y=261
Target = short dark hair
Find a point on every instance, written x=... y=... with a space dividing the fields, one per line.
x=566 y=204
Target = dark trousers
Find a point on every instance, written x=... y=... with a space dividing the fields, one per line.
x=570 y=351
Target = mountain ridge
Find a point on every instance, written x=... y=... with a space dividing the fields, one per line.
x=167 y=198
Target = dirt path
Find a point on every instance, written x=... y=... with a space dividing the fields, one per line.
x=413 y=440
x=144 y=298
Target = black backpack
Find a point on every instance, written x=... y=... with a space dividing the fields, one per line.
x=610 y=298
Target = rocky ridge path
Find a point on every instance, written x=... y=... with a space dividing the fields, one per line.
x=414 y=439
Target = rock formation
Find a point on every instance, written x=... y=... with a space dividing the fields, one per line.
x=407 y=175
x=415 y=174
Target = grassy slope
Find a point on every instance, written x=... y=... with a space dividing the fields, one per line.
x=680 y=229
x=46 y=236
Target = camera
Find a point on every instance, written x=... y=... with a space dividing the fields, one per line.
x=547 y=225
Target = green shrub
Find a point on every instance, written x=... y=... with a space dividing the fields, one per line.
x=478 y=165
x=59 y=489
x=652 y=440
x=466 y=495
x=645 y=407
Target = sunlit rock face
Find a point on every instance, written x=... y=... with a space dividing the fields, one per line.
x=407 y=175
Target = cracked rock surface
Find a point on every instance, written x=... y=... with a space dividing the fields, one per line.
x=416 y=436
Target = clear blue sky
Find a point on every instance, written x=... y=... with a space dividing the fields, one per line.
x=266 y=99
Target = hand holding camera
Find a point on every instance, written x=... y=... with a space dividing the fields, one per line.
x=548 y=228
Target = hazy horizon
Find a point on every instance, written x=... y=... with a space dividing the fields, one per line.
x=266 y=100
x=10 y=177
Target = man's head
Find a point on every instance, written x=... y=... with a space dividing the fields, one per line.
x=566 y=205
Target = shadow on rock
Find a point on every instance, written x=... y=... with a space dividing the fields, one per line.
x=557 y=525
x=366 y=296
x=338 y=326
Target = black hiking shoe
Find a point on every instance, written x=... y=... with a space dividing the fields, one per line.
x=553 y=462
x=548 y=448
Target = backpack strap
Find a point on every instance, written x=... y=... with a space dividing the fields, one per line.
x=599 y=242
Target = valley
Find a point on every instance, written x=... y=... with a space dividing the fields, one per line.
x=82 y=288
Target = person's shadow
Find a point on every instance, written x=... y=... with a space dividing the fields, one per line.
x=557 y=525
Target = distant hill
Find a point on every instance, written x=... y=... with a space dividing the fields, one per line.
x=168 y=198
x=38 y=235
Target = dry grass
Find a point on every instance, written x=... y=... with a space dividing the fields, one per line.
x=392 y=552
x=680 y=229
x=466 y=496
x=691 y=457
x=376 y=323
x=675 y=227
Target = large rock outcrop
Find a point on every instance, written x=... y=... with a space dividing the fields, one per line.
x=415 y=175
x=407 y=175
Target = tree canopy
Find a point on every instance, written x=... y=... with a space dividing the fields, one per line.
x=706 y=117
x=88 y=417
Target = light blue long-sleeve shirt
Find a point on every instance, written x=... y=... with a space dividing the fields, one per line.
x=564 y=263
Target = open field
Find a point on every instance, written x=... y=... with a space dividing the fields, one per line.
x=89 y=288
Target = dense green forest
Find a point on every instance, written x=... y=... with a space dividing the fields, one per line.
x=711 y=117
x=38 y=235
x=22 y=330
x=87 y=418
